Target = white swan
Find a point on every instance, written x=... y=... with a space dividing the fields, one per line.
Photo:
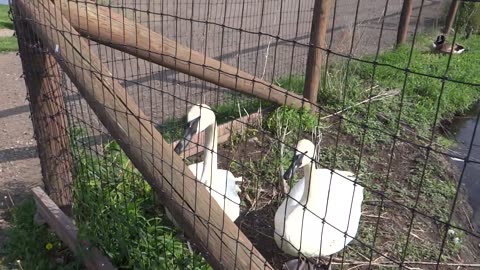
x=300 y=231
x=220 y=183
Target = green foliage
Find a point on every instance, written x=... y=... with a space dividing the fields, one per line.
x=437 y=192
x=236 y=108
x=27 y=243
x=5 y=21
x=115 y=209
x=468 y=17
x=415 y=106
x=296 y=120
x=8 y=44
x=421 y=93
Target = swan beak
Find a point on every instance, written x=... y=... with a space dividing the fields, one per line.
x=190 y=129
x=182 y=145
x=296 y=162
x=290 y=172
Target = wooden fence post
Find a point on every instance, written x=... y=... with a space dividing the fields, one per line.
x=49 y=119
x=452 y=12
x=404 y=21
x=321 y=13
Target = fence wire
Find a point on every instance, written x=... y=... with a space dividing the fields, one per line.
x=386 y=193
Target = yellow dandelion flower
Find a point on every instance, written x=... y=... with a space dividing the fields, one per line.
x=49 y=246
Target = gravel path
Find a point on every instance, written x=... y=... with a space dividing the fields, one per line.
x=19 y=165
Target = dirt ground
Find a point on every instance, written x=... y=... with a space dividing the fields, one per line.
x=19 y=165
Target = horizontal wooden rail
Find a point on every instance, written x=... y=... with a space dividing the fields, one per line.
x=200 y=217
x=68 y=232
x=103 y=25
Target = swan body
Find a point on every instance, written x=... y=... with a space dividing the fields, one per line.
x=327 y=195
x=221 y=184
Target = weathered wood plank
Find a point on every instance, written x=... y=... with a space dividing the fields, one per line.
x=68 y=232
x=321 y=16
x=200 y=217
x=404 y=22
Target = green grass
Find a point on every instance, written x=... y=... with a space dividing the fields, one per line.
x=26 y=245
x=7 y=44
x=347 y=86
x=468 y=17
x=5 y=21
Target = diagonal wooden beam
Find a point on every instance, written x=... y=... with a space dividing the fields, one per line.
x=200 y=217
x=103 y=25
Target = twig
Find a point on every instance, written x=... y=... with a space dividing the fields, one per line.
x=240 y=115
x=268 y=47
x=416 y=236
x=317 y=137
x=445 y=264
x=375 y=216
x=468 y=219
x=360 y=254
x=394 y=264
x=363 y=263
x=19 y=264
x=10 y=198
x=371 y=88
x=253 y=203
x=266 y=59
x=260 y=116
x=375 y=98
x=284 y=184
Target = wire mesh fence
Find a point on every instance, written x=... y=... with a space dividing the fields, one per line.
x=374 y=185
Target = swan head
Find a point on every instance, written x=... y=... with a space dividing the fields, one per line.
x=304 y=154
x=199 y=117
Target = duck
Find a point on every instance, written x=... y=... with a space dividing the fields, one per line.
x=331 y=197
x=221 y=184
x=441 y=46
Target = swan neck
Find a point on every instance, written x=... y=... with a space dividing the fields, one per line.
x=210 y=153
x=312 y=185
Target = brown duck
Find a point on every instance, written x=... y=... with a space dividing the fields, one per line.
x=443 y=47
